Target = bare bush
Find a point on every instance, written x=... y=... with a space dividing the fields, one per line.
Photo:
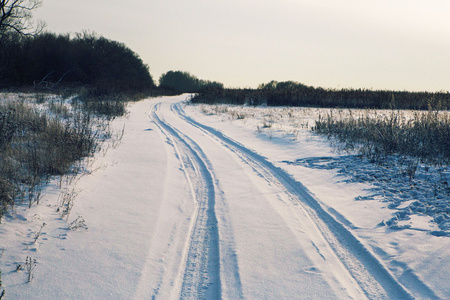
x=66 y=201
x=30 y=264
x=38 y=234
x=79 y=222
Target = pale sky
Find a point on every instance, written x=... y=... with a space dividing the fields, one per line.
x=383 y=44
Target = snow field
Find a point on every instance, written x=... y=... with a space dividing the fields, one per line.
x=338 y=190
x=203 y=206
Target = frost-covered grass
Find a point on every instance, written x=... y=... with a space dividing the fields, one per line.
x=290 y=121
x=413 y=147
x=424 y=136
x=403 y=154
x=40 y=136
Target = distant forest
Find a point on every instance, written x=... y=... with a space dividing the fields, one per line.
x=47 y=60
x=290 y=93
x=184 y=82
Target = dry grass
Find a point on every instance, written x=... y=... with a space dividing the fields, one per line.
x=39 y=139
x=421 y=135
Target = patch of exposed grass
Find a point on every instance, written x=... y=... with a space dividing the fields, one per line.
x=108 y=106
x=36 y=144
x=422 y=135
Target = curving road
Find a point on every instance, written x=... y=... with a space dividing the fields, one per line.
x=255 y=232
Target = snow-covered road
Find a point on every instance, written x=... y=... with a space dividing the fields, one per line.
x=272 y=237
x=180 y=210
x=260 y=256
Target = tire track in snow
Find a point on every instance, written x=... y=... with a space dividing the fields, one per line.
x=201 y=273
x=371 y=275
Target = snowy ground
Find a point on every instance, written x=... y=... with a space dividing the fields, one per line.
x=203 y=206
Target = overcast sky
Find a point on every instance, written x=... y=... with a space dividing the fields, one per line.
x=383 y=44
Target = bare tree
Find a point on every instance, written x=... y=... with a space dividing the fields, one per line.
x=16 y=16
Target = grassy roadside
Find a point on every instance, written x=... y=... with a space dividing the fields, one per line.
x=424 y=136
x=416 y=144
x=44 y=135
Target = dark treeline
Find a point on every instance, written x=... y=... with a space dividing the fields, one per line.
x=296 y=94
x=184 y=82
x=48 y=60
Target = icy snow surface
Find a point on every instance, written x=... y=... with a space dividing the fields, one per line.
x=203 y=206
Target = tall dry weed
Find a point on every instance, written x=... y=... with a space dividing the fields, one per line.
x=36 y=144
